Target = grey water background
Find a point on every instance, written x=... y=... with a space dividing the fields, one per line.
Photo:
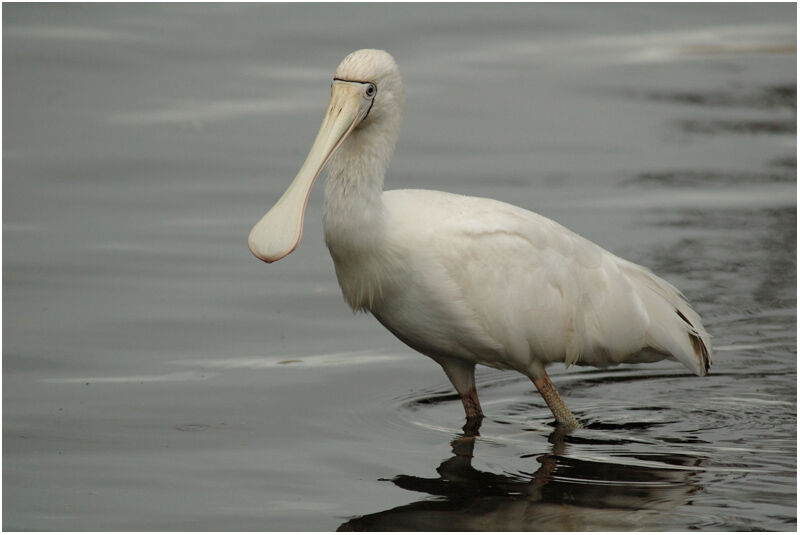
x=158 y=377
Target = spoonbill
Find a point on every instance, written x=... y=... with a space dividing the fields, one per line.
x=468 y=280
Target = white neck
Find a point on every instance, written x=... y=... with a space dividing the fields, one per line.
x=353 y=210
x=353 y=214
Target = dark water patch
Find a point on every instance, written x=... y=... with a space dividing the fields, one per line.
x=629 y=377
x=192 y=428
x=737 y=126
x=625 y=471
x=788 y=162
x=765 y=242
x=683 y=440
x=672 y=459
x=431 y=400
x=779 y=96
x=624 y=426
x=710 y=178
x=600 y=441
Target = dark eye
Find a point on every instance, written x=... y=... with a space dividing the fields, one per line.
x=370 y=90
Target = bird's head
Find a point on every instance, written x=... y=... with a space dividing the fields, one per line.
x=364 y=113
x=374 y=70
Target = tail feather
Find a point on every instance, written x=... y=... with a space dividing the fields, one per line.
x=699 y=346
x=675 y=329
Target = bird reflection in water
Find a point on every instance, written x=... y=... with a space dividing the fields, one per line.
x=563 y=494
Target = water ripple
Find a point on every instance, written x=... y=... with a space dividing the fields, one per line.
x=195 y=112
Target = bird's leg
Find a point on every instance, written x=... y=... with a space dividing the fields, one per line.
x=462 y=374
x=473 y=409
x=548 y=391
x=471 y=404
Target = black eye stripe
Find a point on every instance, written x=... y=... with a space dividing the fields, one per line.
x=371 y=84
x=354 y=81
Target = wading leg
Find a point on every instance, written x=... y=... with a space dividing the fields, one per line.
x=548 y=391
x=462 y=374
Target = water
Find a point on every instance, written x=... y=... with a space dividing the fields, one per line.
x=156 y=376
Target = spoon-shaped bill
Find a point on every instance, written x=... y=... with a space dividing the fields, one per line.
x=279 y=232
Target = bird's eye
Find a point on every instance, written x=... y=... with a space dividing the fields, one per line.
x=370 y=90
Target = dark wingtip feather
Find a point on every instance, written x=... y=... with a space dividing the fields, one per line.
x=700 y=350
x=680 y=315
x=698 y=345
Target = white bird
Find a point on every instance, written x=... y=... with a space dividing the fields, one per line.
x=468 y=280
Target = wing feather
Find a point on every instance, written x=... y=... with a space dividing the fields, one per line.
x=542 y=292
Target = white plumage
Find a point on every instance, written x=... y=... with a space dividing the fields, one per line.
x=468 y=280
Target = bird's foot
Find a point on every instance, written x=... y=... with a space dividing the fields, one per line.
x=472 y=426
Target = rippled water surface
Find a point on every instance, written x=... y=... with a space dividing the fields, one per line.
x=156 y=376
